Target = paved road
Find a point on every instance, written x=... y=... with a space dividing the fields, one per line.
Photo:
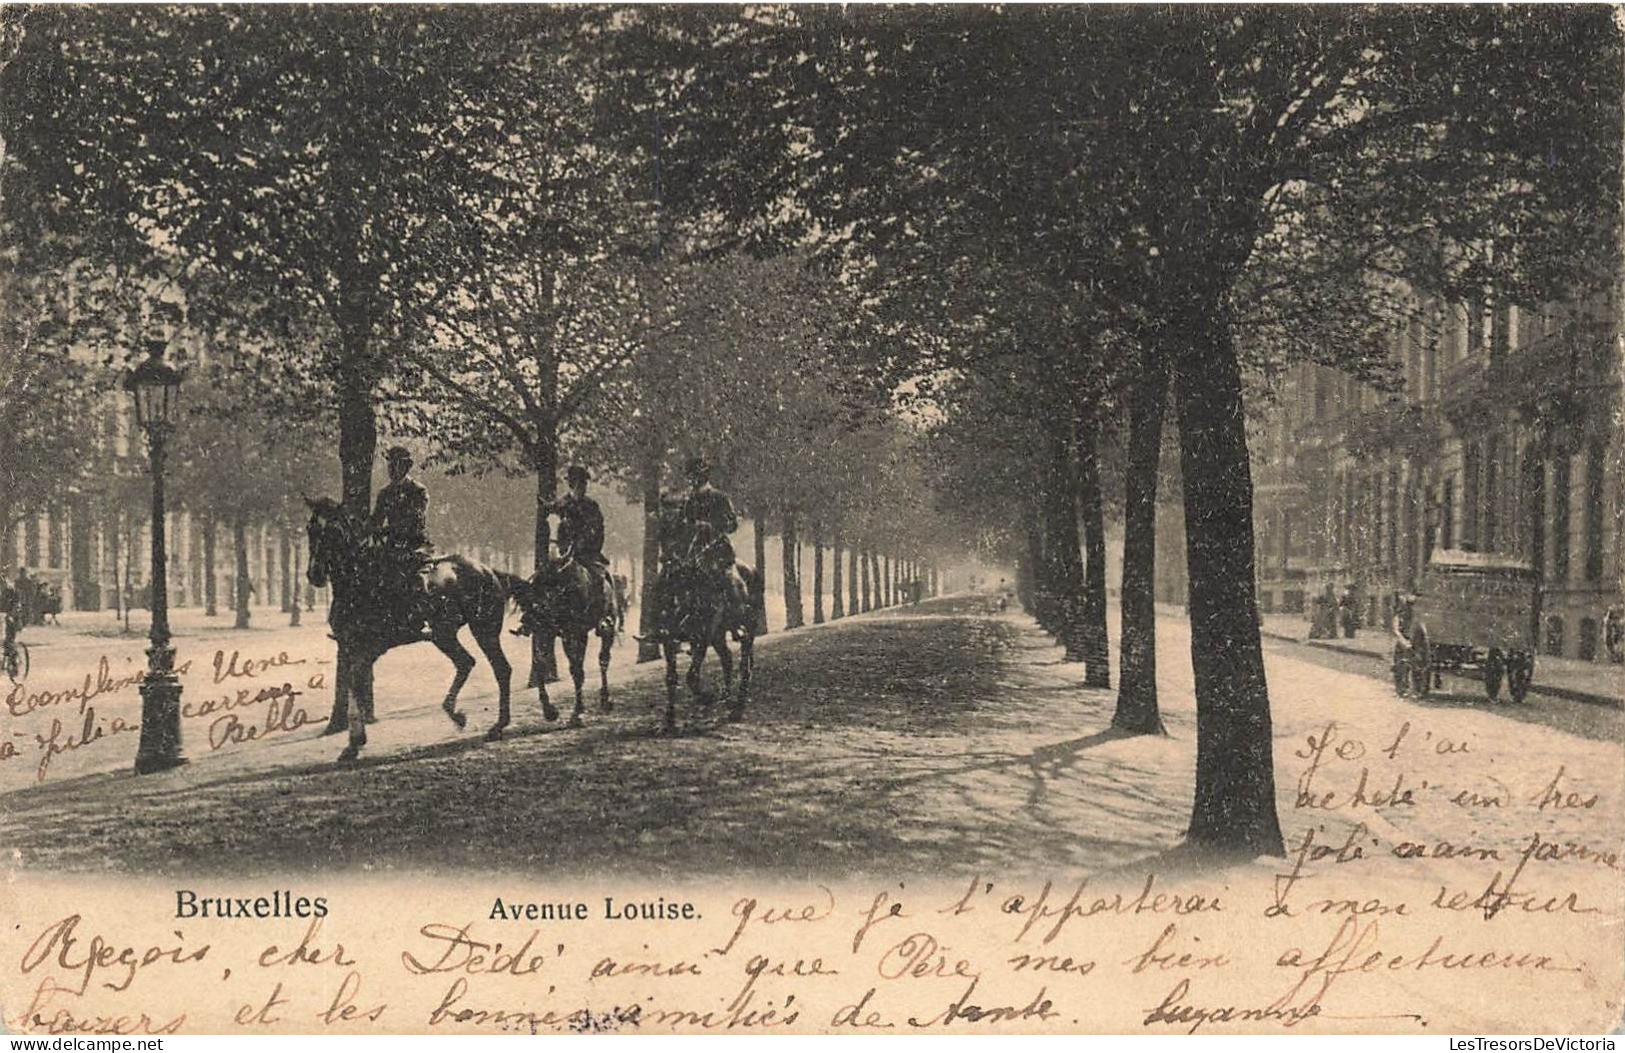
x=945 y=740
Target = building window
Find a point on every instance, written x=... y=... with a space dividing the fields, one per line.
x=1554 y=635
x=1447 y=514
x=1490 y=535
x=1594 y=511
x=1561 y=477
x=1588 y=640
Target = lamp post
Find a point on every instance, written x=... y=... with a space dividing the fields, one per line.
x=156 y=387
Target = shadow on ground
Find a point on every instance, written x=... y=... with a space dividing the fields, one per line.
x=921 y=741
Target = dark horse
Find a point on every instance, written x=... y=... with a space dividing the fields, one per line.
x=569 y=601
x=699 y=611
x=353 y=555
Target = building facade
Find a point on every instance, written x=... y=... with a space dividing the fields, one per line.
x=1504 y=438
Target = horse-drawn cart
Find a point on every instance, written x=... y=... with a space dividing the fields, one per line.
x=1474 y=613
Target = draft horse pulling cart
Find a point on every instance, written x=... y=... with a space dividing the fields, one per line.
x=1474 y=613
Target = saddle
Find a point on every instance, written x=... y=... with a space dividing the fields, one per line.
x=692 y=584
x=601 y=604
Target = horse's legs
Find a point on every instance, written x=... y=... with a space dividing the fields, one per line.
x=605 y=642
x=747 y=664
x=575 y=651
x=695 y=685
x=359 y=685
x=543 y=641
x=451 y=648
x=670 y=647
x=725 y=658
x=490 y=642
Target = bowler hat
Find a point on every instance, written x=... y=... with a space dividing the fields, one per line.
x=398 y=453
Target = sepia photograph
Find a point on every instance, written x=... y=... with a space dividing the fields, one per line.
x=808 y=519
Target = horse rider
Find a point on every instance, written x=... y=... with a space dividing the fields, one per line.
x=401 y=515
x=710 y=514
x=581 y=535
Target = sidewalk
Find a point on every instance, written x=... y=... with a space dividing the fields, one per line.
x=1597 y=683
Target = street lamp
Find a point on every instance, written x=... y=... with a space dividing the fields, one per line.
x=156 y=389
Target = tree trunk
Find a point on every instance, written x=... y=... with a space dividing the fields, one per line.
x=284 y=558
x=1029 y=580
x=852 y=557
x=865 y=562
x=1064 y=551
x=1137 y=709
x=759 y=553
x=358 y=445
x=837 y=602
x=239 y=545
x=649 y=649
x=117 y=533
x=210 y=590
x=818 y=579
x=1235 y=770
x=792 y=573
x=544 y=667
x=1093 y=637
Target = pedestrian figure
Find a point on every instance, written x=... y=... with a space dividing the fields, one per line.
x=1348 y=612
x=1399 y=625
x=1613 y=634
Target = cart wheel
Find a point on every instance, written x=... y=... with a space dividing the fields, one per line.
x=1494 y=666
x=1520 y=674
x=1421 y=664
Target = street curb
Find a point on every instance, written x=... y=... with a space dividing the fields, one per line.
x=1535 y=689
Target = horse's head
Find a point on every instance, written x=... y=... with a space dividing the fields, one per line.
x=331 y=537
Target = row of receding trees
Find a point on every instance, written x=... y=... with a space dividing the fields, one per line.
x=1089 y=221
x=1135 y=213
x=452 y=226
x=632 y=234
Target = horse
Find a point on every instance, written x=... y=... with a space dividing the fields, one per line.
x=699 y=611
x=569 y=600
x=354 y=555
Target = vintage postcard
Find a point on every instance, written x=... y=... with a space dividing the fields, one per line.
x=790 y=519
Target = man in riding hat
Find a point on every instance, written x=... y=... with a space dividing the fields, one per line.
x=581 y=534
x=709 y=514
x=403 y=506
x=401 y=514
x=712 y=513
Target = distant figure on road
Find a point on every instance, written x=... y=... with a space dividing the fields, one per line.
x=1348 y=612
x=28 y=605
x=11 y=611
x=1399 y=626
x=623 y=597
x=1323 y=615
